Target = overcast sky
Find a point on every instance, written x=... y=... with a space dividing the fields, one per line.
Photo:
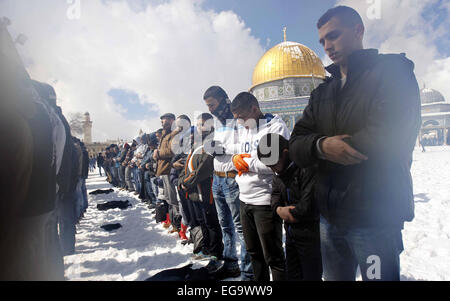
x=129 y=61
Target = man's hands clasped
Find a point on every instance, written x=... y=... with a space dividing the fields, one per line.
x=336 y=150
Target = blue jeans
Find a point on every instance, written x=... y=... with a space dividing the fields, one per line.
x=120 y=176
x=136 y=179
x=226 y=196
x=114 y=174
x=149 y=187
x=128 y=176
x=376 y=250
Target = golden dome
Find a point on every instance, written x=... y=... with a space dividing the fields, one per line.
x=287 y=59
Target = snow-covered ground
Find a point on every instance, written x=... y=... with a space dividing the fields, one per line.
x=138 y=250
x=142 y=248
x=427 y=238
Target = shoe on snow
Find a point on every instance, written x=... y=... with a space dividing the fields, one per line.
x=225 y=273
x=202 y=256
x=214 y=265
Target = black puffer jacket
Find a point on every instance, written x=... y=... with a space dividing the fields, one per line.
x=379 y=106
x=295 y=187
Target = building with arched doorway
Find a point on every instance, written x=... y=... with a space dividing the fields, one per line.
x=435 y=128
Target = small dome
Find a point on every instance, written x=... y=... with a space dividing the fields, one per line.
x=430 y=96
x=287 y=59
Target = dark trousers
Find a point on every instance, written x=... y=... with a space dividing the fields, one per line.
x=171 y=198
x=206 y=216
x=142 y=194
x=107 y=169
x=303 y=257
x=150 y=194
x=122 y=176
x=263 y=239
x=52 y=239
x=67 y=219
x=189 y=212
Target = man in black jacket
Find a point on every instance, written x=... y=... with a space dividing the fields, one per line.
x=100 y=161
x=360 y=127
x=293 y=201
x=195 y=181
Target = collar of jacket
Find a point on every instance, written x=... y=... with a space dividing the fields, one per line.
x=287 y=174
x=358 y=61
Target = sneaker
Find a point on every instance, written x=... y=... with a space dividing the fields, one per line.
x=224 y=273
x=201 y=256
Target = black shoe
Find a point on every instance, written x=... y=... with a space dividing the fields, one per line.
x=214 y=266
x=151 y=206
x=224 y=273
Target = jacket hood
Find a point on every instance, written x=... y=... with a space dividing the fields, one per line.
x=268 y=120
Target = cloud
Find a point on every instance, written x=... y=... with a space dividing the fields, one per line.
x=167 y=53
x=417 y=27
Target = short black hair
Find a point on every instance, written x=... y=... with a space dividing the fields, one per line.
x=159 y=131
x=185 y=117
x=152 y=140
x=168 y=115
x=347 y=15
x=215 y=92
x=243 y=102
x=204 y=116
x=266 y=141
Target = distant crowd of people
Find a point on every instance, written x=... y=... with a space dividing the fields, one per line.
x=339 y=183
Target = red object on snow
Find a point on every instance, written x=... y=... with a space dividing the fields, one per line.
x=167 y=221
x=182 y=232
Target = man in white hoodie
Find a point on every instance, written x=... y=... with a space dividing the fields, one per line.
x=225 y=188
x=262 y=229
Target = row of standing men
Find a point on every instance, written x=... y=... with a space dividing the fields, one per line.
x=44 y=192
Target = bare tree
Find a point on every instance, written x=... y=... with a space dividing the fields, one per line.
x=76 y=123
